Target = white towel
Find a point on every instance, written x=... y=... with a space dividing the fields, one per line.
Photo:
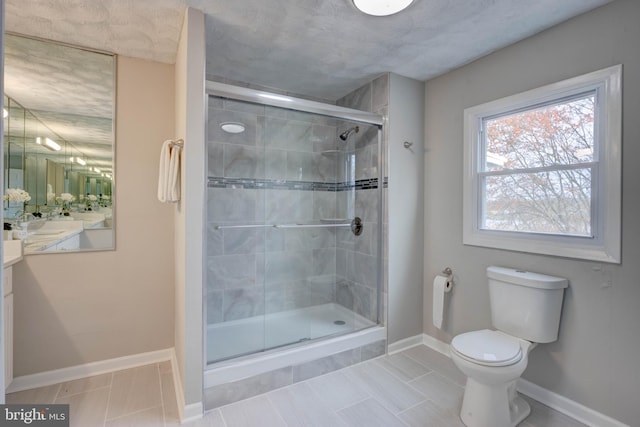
x=173 y=185
x=169 y=173
x=163 y=174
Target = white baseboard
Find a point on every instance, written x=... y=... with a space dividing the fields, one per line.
x=553 y=400
x=404 y=344
x=567 y=406
x=429 y=341
x=186 y=413
x=177 y=386
x=436 y=344
x=42 y=379
x=192 y=412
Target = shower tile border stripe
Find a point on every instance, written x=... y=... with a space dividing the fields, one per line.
x=274 y=184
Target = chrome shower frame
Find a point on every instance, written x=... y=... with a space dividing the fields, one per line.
x=298 y=104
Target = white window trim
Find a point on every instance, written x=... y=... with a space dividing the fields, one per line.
x=605 y=246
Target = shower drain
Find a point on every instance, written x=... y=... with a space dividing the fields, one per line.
x=339 y=322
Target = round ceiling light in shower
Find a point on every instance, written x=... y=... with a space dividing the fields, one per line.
x=232 y=127
x=381 y=7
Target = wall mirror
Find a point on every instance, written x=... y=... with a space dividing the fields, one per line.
x=58 y=146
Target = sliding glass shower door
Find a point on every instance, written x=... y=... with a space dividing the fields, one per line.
x=293 y=227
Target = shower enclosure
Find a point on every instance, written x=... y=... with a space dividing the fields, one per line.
x=294 y=235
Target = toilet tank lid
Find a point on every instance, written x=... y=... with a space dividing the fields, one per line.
x=526 y=278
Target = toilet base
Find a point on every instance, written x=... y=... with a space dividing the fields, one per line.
x=495 y=405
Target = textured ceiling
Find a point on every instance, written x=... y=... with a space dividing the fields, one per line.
x=315 y=48
x=319 y=48
x=326 y=48
x=68 y=90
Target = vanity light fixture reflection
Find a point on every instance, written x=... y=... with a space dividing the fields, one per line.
x=232 y=127
x=49 y=143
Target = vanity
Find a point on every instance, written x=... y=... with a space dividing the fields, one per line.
x=46 y=236
x=12 y=250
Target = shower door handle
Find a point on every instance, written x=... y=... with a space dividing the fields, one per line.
x=226 y=227
x=356 y=226
x=310 y=225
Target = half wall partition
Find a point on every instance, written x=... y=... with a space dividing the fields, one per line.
x=294 y=214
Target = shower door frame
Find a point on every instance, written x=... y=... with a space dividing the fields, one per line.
x=265 y=98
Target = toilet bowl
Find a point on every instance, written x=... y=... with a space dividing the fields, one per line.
x=492 y=362
x=525 y=310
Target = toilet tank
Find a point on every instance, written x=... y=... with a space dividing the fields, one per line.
x=524 y=304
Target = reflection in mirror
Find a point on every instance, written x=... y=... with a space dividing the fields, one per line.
x=59 y=146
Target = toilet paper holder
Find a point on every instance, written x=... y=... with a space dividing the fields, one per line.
x=449 y=273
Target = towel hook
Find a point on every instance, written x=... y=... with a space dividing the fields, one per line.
x=177 y=142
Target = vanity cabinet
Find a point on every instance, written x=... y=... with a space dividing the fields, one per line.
x=71 y=243
x=8 y=325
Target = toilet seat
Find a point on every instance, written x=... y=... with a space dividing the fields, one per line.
x=487 y=348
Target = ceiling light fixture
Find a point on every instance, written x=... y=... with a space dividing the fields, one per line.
x=49 y=143
x=5 y=113
x=232 y=127
x=80 y=161
x=381 y=7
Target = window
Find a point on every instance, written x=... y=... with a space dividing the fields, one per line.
x=543 y=169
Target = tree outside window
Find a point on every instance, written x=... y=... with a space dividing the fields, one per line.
x=542 y=169
x=539 y=165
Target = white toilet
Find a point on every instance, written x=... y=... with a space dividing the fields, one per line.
x=525 y=310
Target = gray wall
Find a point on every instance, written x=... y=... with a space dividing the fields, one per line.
x=406 y=207
x=594 y=362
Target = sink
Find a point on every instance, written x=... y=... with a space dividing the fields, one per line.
x=90 y=219
x=62 y=226
x=88 y=216
x=47 y=232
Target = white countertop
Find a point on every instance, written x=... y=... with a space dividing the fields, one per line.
x=12 y=251
x=40 y=243
x=50 y=234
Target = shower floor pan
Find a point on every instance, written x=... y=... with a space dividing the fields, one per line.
x=226 y=340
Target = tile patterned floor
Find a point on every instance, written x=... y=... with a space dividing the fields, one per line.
x=141 y=396
x=417 y=387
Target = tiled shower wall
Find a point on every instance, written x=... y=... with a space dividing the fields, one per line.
x=300 y=161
